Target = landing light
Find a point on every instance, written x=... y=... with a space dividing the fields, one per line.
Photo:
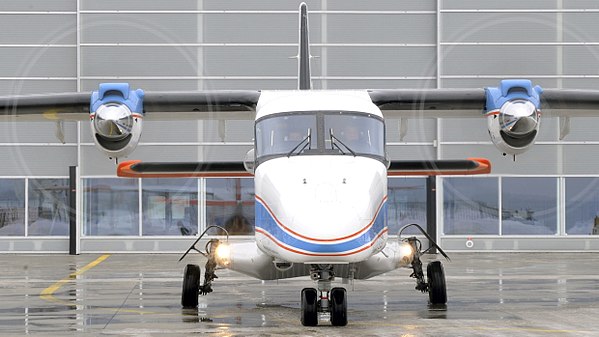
x=406 y=252
x=223 y=254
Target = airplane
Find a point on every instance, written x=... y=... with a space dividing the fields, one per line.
x=319 y=165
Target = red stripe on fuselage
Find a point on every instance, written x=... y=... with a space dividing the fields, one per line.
x=317 y=239
x=268 y=235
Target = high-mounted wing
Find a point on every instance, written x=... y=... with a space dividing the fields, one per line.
x=220 y=104
x=139 y=169
x=429 y=103
x=116 y=112
x=223 y=104
x=513 y=109
x=469 y=166
x=62 y=106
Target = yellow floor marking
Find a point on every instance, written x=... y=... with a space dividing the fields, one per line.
x=48 y=293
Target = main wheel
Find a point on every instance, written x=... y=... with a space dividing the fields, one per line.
x=309 y=307
x=437 y=292
x=338 y=302
x=191 y=286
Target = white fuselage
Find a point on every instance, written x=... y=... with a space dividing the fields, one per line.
x=320 y=208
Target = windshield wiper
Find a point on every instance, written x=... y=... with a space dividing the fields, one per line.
x=309 y=142
x=333 y=145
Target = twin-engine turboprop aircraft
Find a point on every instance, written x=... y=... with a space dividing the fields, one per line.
x=320 y=168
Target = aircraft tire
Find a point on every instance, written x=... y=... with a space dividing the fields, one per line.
x=191 y=286
x=437 y=291
x=309 y=307
x=338 y=301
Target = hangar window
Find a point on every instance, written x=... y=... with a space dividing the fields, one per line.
x=406 y=204
x=230 y=204
x=471 y=206
x=169 y=206
x=582 y=206
x=529 y=206
x=111 y=206
x=48 y=207
x=12 y=207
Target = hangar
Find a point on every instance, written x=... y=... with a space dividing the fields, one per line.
x=544 y=200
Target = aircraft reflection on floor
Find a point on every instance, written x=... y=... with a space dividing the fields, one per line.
x=134 y=294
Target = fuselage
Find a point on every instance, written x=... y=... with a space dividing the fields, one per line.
x=321 y=176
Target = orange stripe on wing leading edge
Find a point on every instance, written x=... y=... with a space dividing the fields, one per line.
x=124 y=170
x=317 y=239
x=268 y=235
x=484 y=167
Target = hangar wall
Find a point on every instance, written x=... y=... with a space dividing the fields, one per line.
x=548 y=199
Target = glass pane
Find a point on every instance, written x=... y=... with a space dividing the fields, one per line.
x=529 y=206
x=360 y=133
x=582 y=206
x=281 y=134
x=170 y=206
x=12 y=207
x=48 y=207
x=110 y=206
x=470 y=206
x=406 y=204
x=230 y=204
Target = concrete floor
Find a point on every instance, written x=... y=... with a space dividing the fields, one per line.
x=138 y=295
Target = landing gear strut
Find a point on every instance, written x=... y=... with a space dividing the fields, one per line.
x=436 y=288
x=324 y=299
x=191 y=275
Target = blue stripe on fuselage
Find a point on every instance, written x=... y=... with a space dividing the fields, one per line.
x=266 y=222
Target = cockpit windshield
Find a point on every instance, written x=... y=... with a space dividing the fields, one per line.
x=281 y=134
x=356 y=133
x=320 y=132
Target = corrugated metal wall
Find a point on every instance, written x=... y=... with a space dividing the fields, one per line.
x=72 y=45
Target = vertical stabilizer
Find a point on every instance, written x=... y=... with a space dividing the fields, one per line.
x=304 y=80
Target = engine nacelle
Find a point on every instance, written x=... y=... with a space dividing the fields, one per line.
x=513 y=115
x=116 y=116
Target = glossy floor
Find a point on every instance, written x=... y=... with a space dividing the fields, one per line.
x=138 y=295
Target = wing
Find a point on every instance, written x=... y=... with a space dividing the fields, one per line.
x=139 y=169
x=431 y=103
x=225 y=104
x=63 y=106
x=469 y=166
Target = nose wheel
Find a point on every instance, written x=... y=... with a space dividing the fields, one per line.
x=309 y=307
x=324 y=299
x=338 y=300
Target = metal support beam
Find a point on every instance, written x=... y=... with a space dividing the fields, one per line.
x=431 y=209
x=73 y=235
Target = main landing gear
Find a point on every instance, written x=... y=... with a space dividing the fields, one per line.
x=192 y=274
x=436 y=288
x=324 y=299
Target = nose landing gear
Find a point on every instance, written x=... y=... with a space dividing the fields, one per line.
x=324 y=300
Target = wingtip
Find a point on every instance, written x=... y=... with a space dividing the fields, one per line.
x=484 y=165
x=125 y=170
